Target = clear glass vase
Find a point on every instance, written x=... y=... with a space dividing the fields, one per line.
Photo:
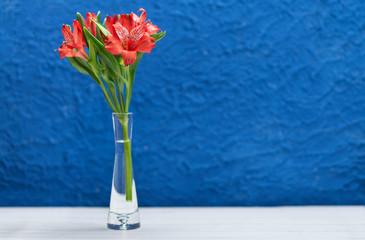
x=123 y=211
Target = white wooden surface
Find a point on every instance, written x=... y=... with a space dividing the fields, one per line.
x=294 y=223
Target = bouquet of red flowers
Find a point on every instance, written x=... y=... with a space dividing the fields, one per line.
x=115 y=48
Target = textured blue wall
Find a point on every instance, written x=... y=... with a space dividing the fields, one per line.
x=242 y=103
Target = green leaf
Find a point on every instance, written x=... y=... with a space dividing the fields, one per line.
x=104 y=70
x=92 y=52
x=80 y=19
x=93 y=60
x=102 y=28
x=98 y=34
x=80 y=64
x=83 y=67
x=98 y=16
x=108 y=58
x=158 y=36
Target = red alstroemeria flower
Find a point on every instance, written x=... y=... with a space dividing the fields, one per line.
x=151 y=29
x=75 y=42
x=128 y=40
x=109 y=22
x=90 y=25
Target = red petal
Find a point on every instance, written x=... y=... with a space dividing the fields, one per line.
x=81 y=53
x=143 y=16
x=89 y=16
x=78 y=36
x=63 y=50
x=109 y=24
x=145 y=44
x=152 y=29
x=90 y=24
x=138 y=32
x=64 y=53
x=115 y=47
x=126 y=20
x=135 y=17
x=67 y=34
x=129 y=57
x=66 y=50
x=122 y=33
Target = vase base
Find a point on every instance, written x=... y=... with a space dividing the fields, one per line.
x=124 y=226
x=118 y=221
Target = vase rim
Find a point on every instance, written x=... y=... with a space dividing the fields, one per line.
x=128 y=113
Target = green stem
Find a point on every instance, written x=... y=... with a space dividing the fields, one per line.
x=113 y=94
x=105 y=92
x=107 y=97
x=128 y=89
x=120 y=93
x=127 y=159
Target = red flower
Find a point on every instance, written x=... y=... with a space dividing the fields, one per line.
x=128 y=40
x=151 y=29
x=109 y=22
x=130 y=34
x=75 y=42
x=90 y=25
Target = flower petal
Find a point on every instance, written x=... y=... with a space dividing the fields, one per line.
x=81 y=53
x=152 y=29
x=122 y=34
x=135 y=17
x=145 y=44
x=90 y=24
x=126 y=20
x=63 y=50
x=77 y=35
x=129 y=57
x=66 y=50
x=143 y=16
x=138 y=32
x=67 y=34
x=114 y=45
x=109 y=24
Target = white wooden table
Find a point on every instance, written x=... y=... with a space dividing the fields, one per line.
x=294 y=223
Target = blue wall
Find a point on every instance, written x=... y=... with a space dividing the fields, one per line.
x=242 y=103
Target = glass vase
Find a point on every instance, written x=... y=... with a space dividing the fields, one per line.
x=123 y=211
